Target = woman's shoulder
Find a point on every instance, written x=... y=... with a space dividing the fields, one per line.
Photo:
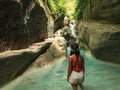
x=72 y=56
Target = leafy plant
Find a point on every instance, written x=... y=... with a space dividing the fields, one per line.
x=57 y=7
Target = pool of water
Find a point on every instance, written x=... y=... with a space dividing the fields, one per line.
x=98 y=76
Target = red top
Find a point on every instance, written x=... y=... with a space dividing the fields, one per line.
x=77 y=64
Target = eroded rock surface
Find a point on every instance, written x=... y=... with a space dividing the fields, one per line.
x=102 y=10
x=21 y=24
x=100 y=29
x=14 y=63
x=103 y=40
x=56 y=50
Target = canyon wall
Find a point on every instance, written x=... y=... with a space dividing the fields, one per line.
x=100 y=10
x=99 y=28
x=22 y=23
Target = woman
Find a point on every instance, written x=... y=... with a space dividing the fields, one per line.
x=76 y=68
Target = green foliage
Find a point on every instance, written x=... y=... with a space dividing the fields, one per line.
x=57 y=7
x=82 y=10
x=77 y=10
x=61 y=5
x=86 y=12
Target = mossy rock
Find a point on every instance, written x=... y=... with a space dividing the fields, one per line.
x=104 y=10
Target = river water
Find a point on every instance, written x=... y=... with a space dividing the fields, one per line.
x=98 y=76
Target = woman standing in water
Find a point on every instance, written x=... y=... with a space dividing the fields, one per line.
x=75 y=68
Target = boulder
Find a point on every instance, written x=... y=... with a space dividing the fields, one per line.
x=56 y=50
x=59 y=23
x=14 y=63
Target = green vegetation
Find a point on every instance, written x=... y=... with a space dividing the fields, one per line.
x=77 y=10
x=70 y=6
x=57 y=7
x=82 y=9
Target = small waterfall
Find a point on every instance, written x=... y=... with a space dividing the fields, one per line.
x=72 y=29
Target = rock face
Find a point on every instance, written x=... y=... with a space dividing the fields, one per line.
x=62 y=32
x=56 y=50
x=21 y=24
x=14 y=63
x=103 y=10
x=99 y=31
x=65 y=32
x=103 y=40
x=59 y=23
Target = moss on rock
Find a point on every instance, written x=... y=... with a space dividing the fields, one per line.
x=104 y=10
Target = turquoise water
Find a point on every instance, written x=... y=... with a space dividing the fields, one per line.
x=98 y=76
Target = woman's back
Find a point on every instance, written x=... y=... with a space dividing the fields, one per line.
x=75 y=67
x=77 y=63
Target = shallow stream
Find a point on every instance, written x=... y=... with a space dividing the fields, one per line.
x=98 y=76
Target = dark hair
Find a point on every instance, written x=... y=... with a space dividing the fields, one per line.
x=75 y=49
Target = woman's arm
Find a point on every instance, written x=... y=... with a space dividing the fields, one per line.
x=69 y=69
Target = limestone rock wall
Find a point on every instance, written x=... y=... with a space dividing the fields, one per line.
x=14 y=63
x=21 y=24
x=103 y=40
x=103 y=10
x=99 y=31
x=59 y=23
